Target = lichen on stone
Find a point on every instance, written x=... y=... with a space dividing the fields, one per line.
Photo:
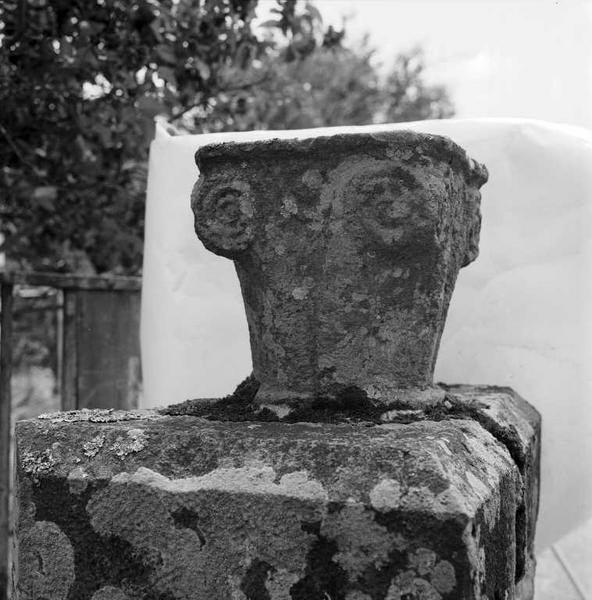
x=110 y=593
x=134 y=441
x=92 y=447
x=279 y=582
x=443 y=577
x=254 y=478
x=361 y=541
x=46 y=562
x=98 y=415
x=386 y=495
x=229 y=532
x=423 y=560
x=37 y=464
x=139 y=516
x=78 y=480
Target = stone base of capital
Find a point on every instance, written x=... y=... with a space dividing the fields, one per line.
x=436 y=505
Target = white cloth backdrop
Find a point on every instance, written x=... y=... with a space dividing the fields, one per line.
x=521 y=314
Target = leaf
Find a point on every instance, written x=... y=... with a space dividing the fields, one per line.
x=314 y=14
x=129 y=165
x=156 y=29
x=167 y=74
x=104 y=133
x=270 y=23
x=204 y=70
x=67 y=51
x=150 y=106
x=45 y=196
x=166 y=54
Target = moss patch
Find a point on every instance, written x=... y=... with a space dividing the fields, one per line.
x=351 y=405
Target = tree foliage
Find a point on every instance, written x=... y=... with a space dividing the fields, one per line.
x=81 y=81
x=328 y=87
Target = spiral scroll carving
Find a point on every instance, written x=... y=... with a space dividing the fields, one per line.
x=223 y=216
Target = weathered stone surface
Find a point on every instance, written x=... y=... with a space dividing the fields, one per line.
x=516 y=424
x=347 y=249
x=181 y=507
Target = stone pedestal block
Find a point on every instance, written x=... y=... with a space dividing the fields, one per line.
x=435 y=503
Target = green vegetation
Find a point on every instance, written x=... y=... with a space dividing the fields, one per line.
x=82 y=80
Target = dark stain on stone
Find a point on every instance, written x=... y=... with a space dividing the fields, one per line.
x=238 y=406
x=499 y=573
x=452 y=408
x=188 y=519
x=253 y=583
x=376 y=581
x=323 y=578
x=521 y=542
x=99 y=560
x=406 y=177
x=179 y=455
x=350 y=405
x=444 y=537
x=246 y=390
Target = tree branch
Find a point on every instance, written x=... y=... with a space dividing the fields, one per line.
x=15 y=148
x=231 y=88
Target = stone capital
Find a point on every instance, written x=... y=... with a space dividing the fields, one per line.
x=347 y=249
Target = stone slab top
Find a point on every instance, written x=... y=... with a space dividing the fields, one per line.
x=432 y=465
x=436 y=146
x=427 y=466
